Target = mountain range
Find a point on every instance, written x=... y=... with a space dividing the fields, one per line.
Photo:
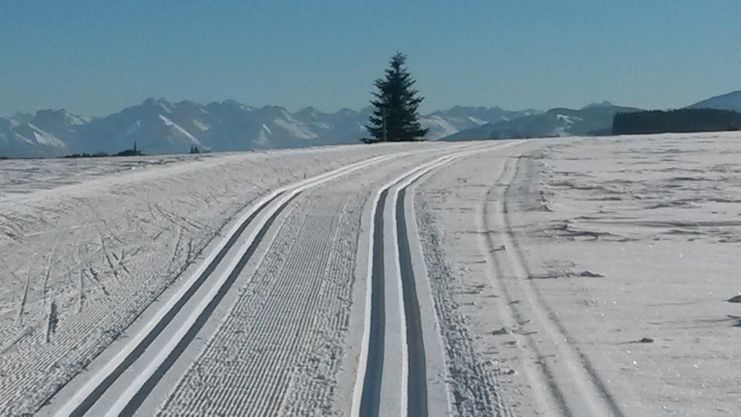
x=159 y=126
x=595 y=119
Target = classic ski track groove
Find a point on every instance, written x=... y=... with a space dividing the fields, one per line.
x=367 y=392
x=258 y=382
x=593 y=398
x=265 y=210
x=81 y=401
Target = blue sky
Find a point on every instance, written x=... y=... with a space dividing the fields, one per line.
x=97 y=56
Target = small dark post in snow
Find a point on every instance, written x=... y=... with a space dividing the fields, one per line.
x=51 y=327
x=82 y=291
x=25 y=298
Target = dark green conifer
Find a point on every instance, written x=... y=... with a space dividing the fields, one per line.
x=395 y=117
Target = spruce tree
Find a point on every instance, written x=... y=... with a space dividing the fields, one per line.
x=394 y=116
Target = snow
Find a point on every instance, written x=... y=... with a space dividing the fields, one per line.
x=24 y=177
x=41 y=137
x=327 y=212
x=655 y=217
x=569 y=120
x=75 y=120
x=45 y=138
x=165 y=106
x=296 y=129
x=262 y=140
x=200 y=124
x=103 y=246
x=219 y=126
x=481 y=122
x=172 y=341
x=439 y=127
x=594 y=275
x=182 y=131
x=606 y=262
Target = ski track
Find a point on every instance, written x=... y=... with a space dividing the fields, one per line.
x=591 y=397
x=561 y=379
x=138 y=215
x=473 y=386
x=248 y=363
x=291 y=317
x=155 y=367
x=281 y=349
x=379 y=393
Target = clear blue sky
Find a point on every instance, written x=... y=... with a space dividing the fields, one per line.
x=97 y=56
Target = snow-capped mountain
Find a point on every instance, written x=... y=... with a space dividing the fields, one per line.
x=458 y=118
x=48 y=133
x=730 y=101
x=150 y=125
x=159 y=126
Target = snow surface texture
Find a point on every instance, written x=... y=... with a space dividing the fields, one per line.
x=592 y=277
x=303 y=290
x=23 y=176
x=642 y=244
x=300 y=293
x=568 y=277
x=100 y=251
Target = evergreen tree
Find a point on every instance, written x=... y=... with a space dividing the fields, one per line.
x=394 y=116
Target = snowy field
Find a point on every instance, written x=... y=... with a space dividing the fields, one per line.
x=594 y=275
x=29 y=175
x=556 y=277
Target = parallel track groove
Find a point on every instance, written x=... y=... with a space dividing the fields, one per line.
x=413 y=397
x=82 y=400
x=233 y=254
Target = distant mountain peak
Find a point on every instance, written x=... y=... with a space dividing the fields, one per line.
x=158 y=103
x=598 y=105
x=730 y=101
x=59 y=116
x=559 y=121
